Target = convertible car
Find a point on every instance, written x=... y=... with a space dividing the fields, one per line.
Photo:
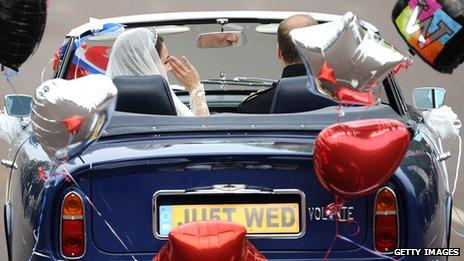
x=152 y=171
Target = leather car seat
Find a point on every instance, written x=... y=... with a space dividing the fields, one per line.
x=293 y=95
x=144 y=94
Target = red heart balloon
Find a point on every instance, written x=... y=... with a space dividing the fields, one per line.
x=209 y=241
x=352 y=159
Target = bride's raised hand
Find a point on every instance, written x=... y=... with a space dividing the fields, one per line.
x=185 y=73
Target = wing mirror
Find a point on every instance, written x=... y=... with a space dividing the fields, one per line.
x=425 y=98
x=18 y=105
x=221 y=39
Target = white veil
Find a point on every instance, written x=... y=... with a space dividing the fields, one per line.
x=134 y=54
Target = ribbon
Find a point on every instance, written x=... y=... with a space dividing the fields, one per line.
x=332 y=211
x=405 y=64
x=47 y=178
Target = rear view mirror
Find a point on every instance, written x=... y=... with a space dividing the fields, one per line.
x=425 y=98
x=221 y=39
x=18 y=105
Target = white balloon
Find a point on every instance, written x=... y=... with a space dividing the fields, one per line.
x=359 y=57
x=68 y=115
x=10 y=128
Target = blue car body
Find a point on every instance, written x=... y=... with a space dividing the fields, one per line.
x=123 y=170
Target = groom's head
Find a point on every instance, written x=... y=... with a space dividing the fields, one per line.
x=286 y=51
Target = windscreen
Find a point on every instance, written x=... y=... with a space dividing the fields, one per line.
x=257 y=58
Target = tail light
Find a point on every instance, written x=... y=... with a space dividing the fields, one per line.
x=386 y=231
x=72 y=226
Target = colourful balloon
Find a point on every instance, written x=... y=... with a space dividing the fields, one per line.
x=352 y=159
x=434 y=30
x=22 y=24
x=209 y=241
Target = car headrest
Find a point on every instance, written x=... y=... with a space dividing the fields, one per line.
x=144 y=94
x=293 y=95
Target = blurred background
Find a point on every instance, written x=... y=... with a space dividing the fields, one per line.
x=64 y=15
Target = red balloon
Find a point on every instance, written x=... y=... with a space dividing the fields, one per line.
x=209 y=241
x=352 y=159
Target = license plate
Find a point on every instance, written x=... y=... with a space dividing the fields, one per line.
x=275 y=218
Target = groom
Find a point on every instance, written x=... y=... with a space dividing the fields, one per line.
x=260 y=102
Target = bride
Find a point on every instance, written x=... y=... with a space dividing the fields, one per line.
x=136 y=52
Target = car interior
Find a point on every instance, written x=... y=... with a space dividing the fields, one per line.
x=225 y=72
x=136 y=95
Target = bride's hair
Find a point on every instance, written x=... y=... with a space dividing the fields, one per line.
x=159 y=44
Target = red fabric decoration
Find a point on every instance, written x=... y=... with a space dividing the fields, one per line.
x=73 y=123
x=41 y=174
x=56 y=60
x=75 y=72
x=353 y=159
x=349 y=96
x=209 y=241
x=327 y=73
x=98 y=55
x=403 y=65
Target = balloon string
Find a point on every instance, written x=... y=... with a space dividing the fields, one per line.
x=99 y=214
x=340 y=112
x=40 y=224
x=365 y=248
x=333 y=211
x=44 y=70
x=42 y=207
x=326 y=256
x=459 y=216
x=338 y=236
x=458 y=165
x=8 y=75
x=405 y=64
x=457 y=233
x=69 y=177
x=366 y=108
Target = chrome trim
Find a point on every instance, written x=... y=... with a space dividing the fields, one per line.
x=182 y=16
x=242 y=190
x=78 y=217
x=444 y=156
x=61 y=226
x=397 y=219
x=385 y=213
x=64 y=61
x=8 y=164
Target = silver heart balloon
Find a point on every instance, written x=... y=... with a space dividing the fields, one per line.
x=68 y=115
x=353 y=57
